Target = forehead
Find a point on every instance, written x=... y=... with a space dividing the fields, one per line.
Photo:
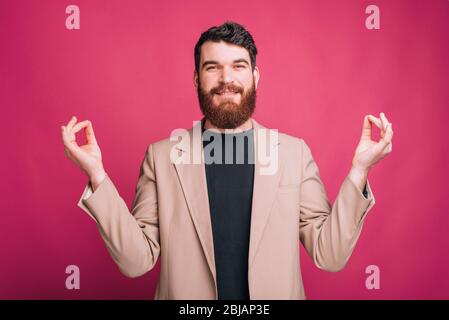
x=222 y=52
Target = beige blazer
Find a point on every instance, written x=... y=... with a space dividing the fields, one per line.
x=170 y=220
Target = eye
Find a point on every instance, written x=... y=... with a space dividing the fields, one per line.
x=211 y=68
x=240 y=66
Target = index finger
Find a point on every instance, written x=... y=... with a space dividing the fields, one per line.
x=378 y=124
x=90 y=135
x=384 y=120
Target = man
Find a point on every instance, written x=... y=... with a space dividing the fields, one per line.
x=222 y=227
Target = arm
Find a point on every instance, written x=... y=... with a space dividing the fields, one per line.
x=131 y=239
x=329 y=234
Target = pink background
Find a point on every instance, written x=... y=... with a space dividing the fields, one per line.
x=129 y=70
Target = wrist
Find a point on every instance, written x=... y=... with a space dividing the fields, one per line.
x=358 y=176
x=97 y=178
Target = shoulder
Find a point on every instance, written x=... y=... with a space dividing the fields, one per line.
x=292 y=145
x=286 y=140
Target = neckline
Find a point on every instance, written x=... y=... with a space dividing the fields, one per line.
x=248 y=131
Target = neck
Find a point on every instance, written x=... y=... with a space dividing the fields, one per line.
x=245 y=126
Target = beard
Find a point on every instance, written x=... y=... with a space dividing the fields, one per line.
x=228 y=114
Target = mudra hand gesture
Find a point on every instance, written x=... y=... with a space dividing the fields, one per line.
x=368 y=151
x=87 y=157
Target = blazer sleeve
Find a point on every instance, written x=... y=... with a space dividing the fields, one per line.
x=329 y=233
x=132 y=238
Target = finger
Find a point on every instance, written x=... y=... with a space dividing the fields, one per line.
x=378 y=123
x=366 y=129
x=69 y=143
x=388 y=133
x=63 y=134
x=386 y=141
x=385 y=117
x=384 y=121
x=71 y=123
x=79 y=126
x=90 y=135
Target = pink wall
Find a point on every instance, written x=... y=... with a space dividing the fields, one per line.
x=129 y=70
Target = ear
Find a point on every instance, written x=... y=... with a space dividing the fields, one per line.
x=256 y=75
x=196 y=81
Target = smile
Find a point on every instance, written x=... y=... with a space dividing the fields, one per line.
x=226 y=93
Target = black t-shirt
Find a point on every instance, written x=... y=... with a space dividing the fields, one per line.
x=230 y=190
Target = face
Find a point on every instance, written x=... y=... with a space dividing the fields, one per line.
x=226 y=84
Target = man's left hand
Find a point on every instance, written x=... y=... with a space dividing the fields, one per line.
x=368 y=151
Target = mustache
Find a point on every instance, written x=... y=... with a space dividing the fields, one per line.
x=226 y=87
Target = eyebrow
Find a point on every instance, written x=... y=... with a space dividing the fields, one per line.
x=242 y=60
x=208 y=62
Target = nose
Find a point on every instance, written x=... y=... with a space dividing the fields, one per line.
x=226 y=75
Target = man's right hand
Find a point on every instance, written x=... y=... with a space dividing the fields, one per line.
x=86 y=157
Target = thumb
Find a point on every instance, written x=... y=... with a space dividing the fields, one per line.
x=366 y=129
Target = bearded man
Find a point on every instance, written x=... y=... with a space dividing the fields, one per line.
x=222 y=227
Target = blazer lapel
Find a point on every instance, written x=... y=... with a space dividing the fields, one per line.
x=192 y=177
x=264 y=192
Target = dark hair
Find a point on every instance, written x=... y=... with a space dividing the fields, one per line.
x=229 y=32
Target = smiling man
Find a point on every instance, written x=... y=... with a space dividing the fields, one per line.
x=226 y=78
x=221 y=228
